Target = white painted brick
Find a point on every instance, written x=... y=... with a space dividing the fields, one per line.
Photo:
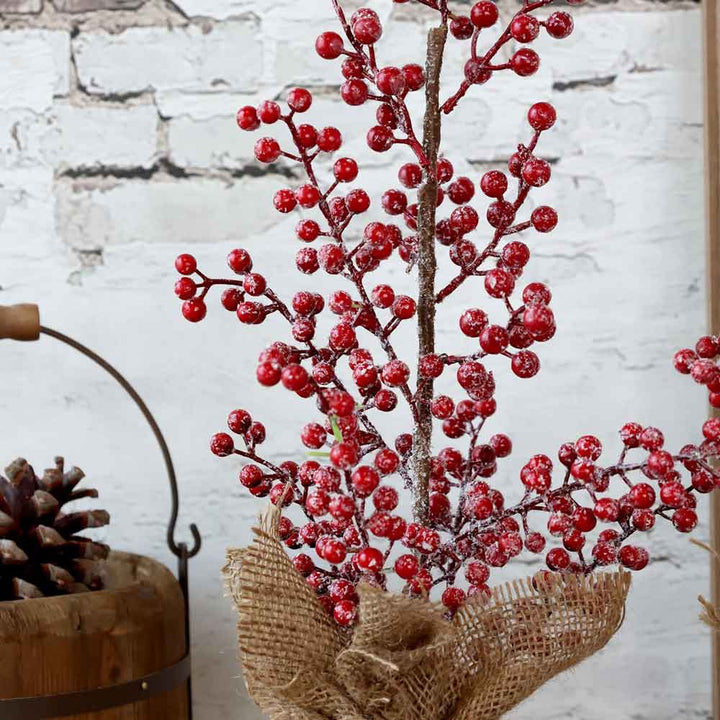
x=92 y=136
x=226 y=57
x=35 y=66
x=198 y=210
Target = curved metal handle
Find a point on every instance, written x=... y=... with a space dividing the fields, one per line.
x=22 y=322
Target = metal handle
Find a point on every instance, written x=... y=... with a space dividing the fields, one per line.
x=22 y=322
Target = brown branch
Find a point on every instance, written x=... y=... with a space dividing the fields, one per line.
x=422 y=445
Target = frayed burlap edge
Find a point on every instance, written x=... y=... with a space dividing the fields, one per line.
x=403 y=661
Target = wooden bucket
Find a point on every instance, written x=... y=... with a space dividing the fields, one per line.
x=121 y=653
x=53 y=648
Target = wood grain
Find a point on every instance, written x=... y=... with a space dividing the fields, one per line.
x=78 y=642
x=711 y=25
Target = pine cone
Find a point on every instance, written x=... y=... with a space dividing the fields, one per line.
x=40 y=553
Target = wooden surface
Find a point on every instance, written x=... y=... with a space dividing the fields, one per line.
x=711 y=12
x=78 y=642
x=19 y=322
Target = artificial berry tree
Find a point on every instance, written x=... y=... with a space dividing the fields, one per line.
x=339 y=504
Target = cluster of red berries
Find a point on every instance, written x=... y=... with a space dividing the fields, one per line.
x=348 y=489
x=701 y=364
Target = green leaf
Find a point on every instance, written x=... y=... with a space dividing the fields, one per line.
x=335 y=428
x=317 y=453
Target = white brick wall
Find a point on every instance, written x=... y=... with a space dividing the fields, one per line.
x=118 y=150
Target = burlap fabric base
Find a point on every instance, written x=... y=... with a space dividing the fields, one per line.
x=403 y=661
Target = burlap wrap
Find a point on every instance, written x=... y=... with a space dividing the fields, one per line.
x=403 y=661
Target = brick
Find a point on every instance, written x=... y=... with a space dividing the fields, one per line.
x=79 y=6
x=202 y=132
x=226 y=57
x=78 y=136
x=36 y=65
x=164 y=209
x=25 y=7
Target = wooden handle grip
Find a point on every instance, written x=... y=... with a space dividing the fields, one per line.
x=19 y=322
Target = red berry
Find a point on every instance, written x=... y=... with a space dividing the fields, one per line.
x=541 y=116
x=473 y=321
x=410 y=175
x=535 y=542
x=313 y=436
x=345 y=170
x=633 y=558
x=604 y=553
x=307 y=136
x=453 y=598
x=493 y=339
x=329 y=139
x=525 y=62
x=194 y=310
x=651 y=439
x=185 y=264
x=221 y=444
x=524 y=28
x=267 y=150
x=269 y=112
x=307 y=196
x=367 y=29
x=239 y=422
x=484 y=14
x=536 y=172
x=461 y=191
x=407 y=566
x=500 y=214
x=559 y=25
x=403 y=307
x=299 y=100
x=185 y=288
x=247 y=118
x=525 y=364
x=354 y=92
x=557 y=559
x=380 y=138
x=607 y=510
x=344 y=455
x=329 y=45
x=358 y=201
x=642 y=496
x=395 y=373
x=711 y=429
x=461 y=27
x=499 y=283
x=414 y=76
x=685 y=520
x=544 y=218
x=390 y=81
x=370 y=559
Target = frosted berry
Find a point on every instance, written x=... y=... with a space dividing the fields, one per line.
x=345 y=170
x=329 y=45
x=525 y=62
x=269 y=112
x=559 y=25
x=541 y=116
x=484 y=14
x=524 y=28
x=222 y=445
x=185 y=264
x=461 y=27
x=247 y=118
x=544 y=219
x=194 y=310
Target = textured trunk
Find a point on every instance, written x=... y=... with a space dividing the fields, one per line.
x=422 y=446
